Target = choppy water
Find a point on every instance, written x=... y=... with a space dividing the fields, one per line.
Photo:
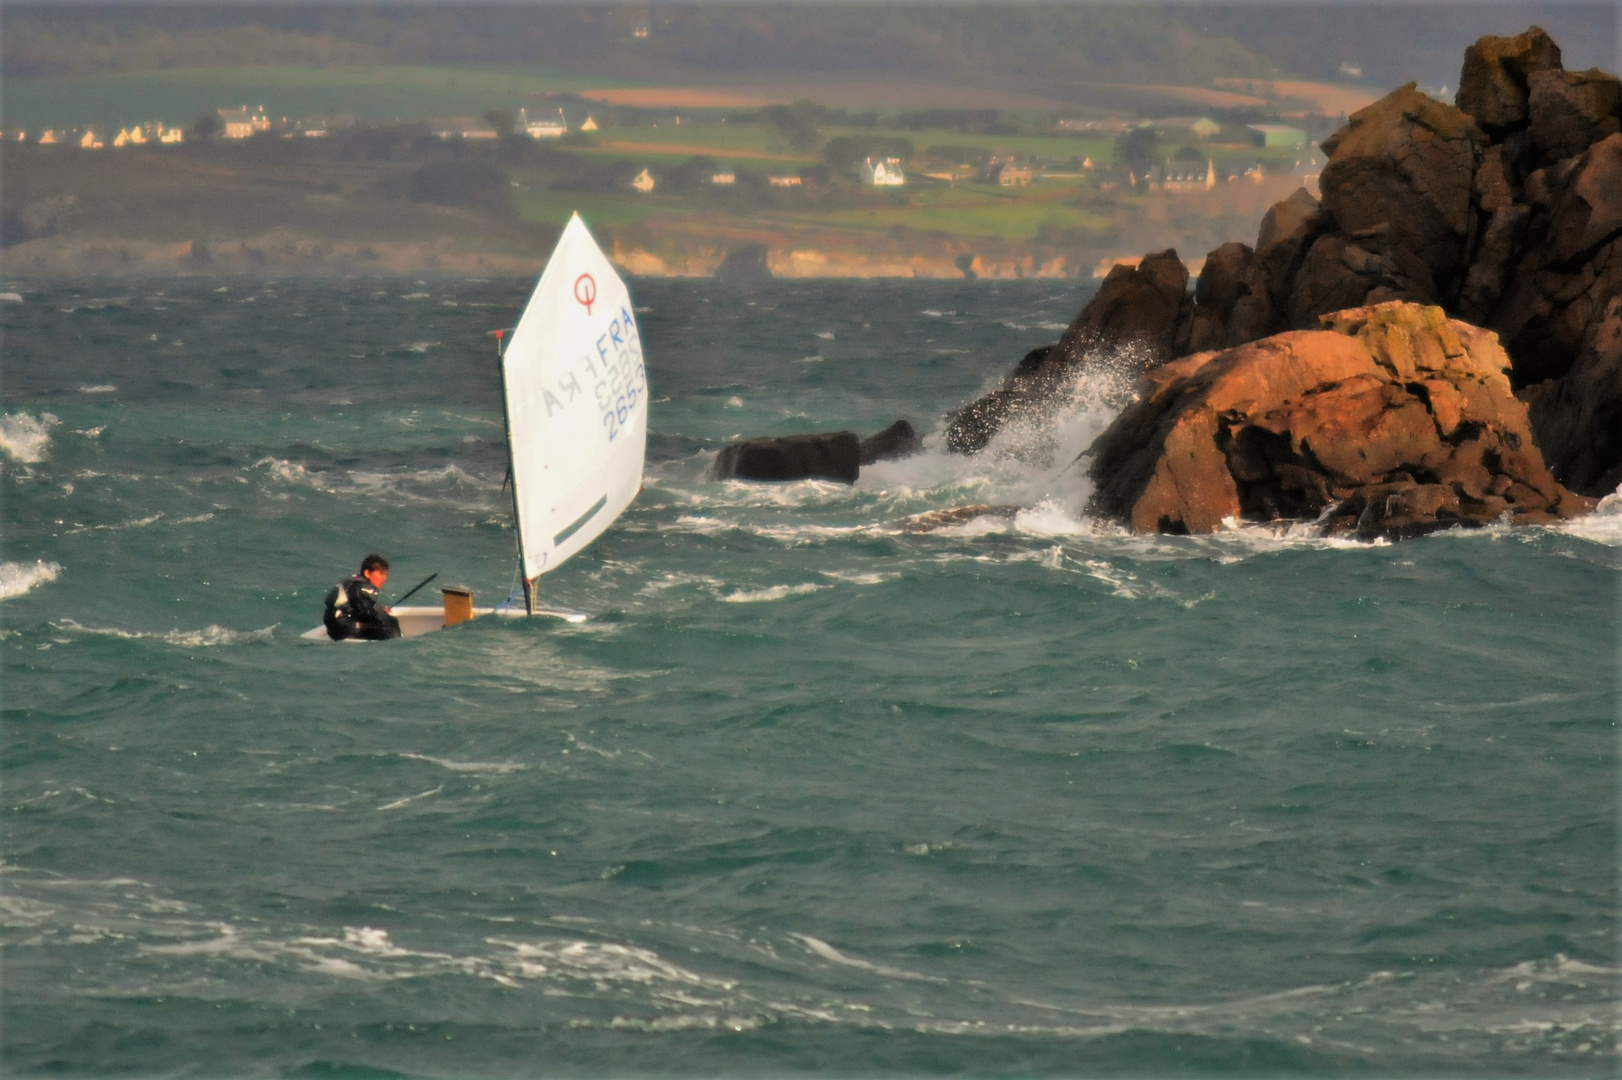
x=804 y=794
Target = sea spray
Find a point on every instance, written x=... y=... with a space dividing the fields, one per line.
x=25 y=438
x=16 y=578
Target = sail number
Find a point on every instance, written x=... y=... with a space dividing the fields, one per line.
x=624 y=378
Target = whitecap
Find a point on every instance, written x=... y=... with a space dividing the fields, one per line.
x=24 y=438
x=468 y=766
x=99 y=388
x=775 y=592
x=10 y=298
x=16 y=578
x=1603 y=526
x=828 y=952
x=825 y=335
x=207 y=637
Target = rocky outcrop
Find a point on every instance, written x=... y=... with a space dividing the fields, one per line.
x=831 y=455
x=1390 y=421
x=1505 y=209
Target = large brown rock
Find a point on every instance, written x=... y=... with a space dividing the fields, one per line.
x=1390 y=421
x=1493 y=84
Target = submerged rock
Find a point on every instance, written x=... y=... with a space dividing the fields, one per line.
x=1391 y=421
x=829 y=455
x=746 y=262
x=832 y=455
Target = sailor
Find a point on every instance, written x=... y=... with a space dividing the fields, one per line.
x=355 y=607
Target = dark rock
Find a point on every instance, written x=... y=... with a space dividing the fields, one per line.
x=1578 y=418
x=1144 y=308
x=1571 y=265
x=1572 y=110
x=1391 y=421
x=1493 y=84
x=899 y=440
x=1225 y=283
x=971 y=428
x=744 y=263
x=1407 y=164
x=834 y=455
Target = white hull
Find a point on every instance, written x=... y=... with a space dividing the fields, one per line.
x=417 y=621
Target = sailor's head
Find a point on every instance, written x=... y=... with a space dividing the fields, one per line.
x=375 y=568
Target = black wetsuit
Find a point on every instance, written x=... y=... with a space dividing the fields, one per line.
x=354 y=610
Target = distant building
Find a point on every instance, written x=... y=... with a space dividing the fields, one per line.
x=1205 y=127
x=1092 y=127
x=170 y=136
x=47 y=138
x=240 y=123
x=1187 y=177
x=1277 y=135
x=784 y=181
x=546 y=127
x=885 y=172
x=88 y=141
x=643 y=182
x=723 y=179
x=1008 y=174
x=588 y=124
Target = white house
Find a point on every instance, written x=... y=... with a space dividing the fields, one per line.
x=724 y=179
x=643 y=182
x=588 y=124
x=88 y=141
x=240 y=123
x=550 y=127
x=885 y=172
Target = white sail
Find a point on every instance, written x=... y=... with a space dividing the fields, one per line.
x=577 y=404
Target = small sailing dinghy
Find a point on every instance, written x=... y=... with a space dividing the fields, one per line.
x=576 y=400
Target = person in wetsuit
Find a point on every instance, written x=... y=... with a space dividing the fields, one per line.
x=355 y=605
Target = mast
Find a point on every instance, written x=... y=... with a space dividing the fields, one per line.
x=512 y=476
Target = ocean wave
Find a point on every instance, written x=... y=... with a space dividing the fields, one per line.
x=207 y=637
x=16 y=578
x=767 y=595
x=25 y=438
x=10 y=298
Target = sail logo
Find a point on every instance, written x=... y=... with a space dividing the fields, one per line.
x=585 y=291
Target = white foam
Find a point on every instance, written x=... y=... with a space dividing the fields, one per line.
x=1603 y=526
x=99 y=388
x=24 y=438
x=207 y=637
x=468 y=766
x=828 y=952
x=775 y=592
x=10 y=298
x=16 y=578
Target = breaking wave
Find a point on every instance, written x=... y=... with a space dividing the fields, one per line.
x=16 y=578
x=25 y=438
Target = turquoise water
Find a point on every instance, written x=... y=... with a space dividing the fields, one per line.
x=805 y=793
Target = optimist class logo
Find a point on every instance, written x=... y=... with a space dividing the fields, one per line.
x=585 y=291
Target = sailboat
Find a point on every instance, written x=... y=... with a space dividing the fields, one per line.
x=575 y=395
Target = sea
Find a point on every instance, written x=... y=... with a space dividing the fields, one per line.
x=807 y=793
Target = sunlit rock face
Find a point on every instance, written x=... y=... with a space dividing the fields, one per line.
x=1389 y=421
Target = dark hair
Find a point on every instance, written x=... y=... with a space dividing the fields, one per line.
x=373 y=562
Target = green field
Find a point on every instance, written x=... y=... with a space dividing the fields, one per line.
x=178 y=97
